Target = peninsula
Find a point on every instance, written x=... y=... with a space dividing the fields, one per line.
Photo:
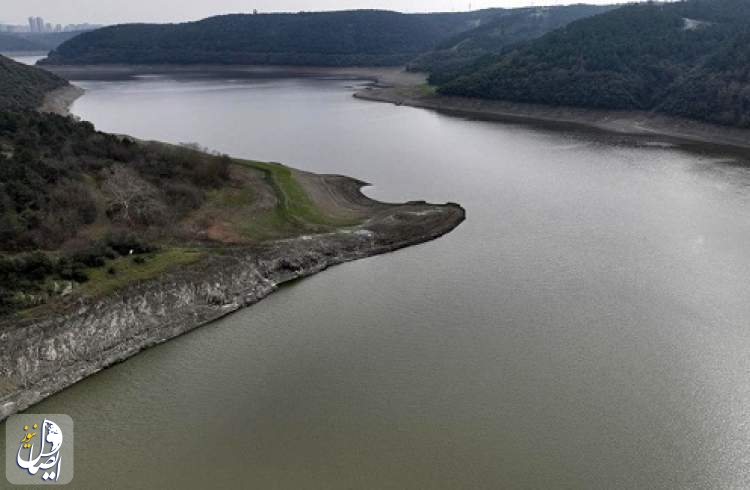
x=122 y=244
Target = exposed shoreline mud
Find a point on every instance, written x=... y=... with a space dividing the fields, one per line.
x=60 y=101
x=400 y=87
x=390 y=76
x=626 y=123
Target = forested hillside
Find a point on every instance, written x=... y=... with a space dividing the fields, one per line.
x=363 y=37
x=686 y=59
x=11 y=43
x=505 y=29
x=72 y=197
x=28 y=41
x=24 y=87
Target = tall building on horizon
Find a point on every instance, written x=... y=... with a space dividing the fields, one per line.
x=36 y=24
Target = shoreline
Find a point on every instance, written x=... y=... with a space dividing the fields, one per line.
x=398 y=86
x=60 y=100
x=42 y=356
x=46 y=353
x=624 y=123
x=395 y=76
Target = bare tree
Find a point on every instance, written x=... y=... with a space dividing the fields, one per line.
x=131 y=198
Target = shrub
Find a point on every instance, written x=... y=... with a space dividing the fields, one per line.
x=123 y=242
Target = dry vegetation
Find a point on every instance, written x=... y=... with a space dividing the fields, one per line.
x=83 y=212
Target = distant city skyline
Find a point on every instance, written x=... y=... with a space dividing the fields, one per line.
x=17 y=12
x=37 y=25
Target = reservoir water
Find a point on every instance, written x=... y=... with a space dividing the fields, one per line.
x=588 y=326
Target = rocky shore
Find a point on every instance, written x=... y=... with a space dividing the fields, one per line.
x=81 y=335
x=39 y=357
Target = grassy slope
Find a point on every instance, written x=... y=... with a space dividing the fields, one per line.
x=122 y=271
x=295 y=206
x=265 y=202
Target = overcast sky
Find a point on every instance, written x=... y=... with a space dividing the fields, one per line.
x=118 y=11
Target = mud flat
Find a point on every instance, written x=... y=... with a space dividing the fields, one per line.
x=60 y=101
x=382 y=75
x=628 y=123
x=398 y=86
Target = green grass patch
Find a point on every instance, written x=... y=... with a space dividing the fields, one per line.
x=294 y=202
x=295 y=213
x=426 y=89
x=127 y=270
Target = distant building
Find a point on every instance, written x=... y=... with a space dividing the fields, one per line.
x=13 y=28
x=37 y=25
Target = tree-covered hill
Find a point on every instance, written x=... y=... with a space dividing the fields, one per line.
x=71 y=197
x=505 y=29
x=24 y=87
x=362 y=37
x=686 y=59
x=33 y=41
x=10 y=43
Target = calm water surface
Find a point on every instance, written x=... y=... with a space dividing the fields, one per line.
x=586 y=327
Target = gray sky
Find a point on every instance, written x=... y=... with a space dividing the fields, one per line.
x=118 y=11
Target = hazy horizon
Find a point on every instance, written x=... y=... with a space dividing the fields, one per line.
x=113 y=12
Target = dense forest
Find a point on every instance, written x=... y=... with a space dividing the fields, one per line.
x=23 y=87
x=85 y=197
x=72 y=197
x=507 y=28
x=347 y=38
x=11 y=43
x=686 y=59
x=49 y=163
x=33 y=41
